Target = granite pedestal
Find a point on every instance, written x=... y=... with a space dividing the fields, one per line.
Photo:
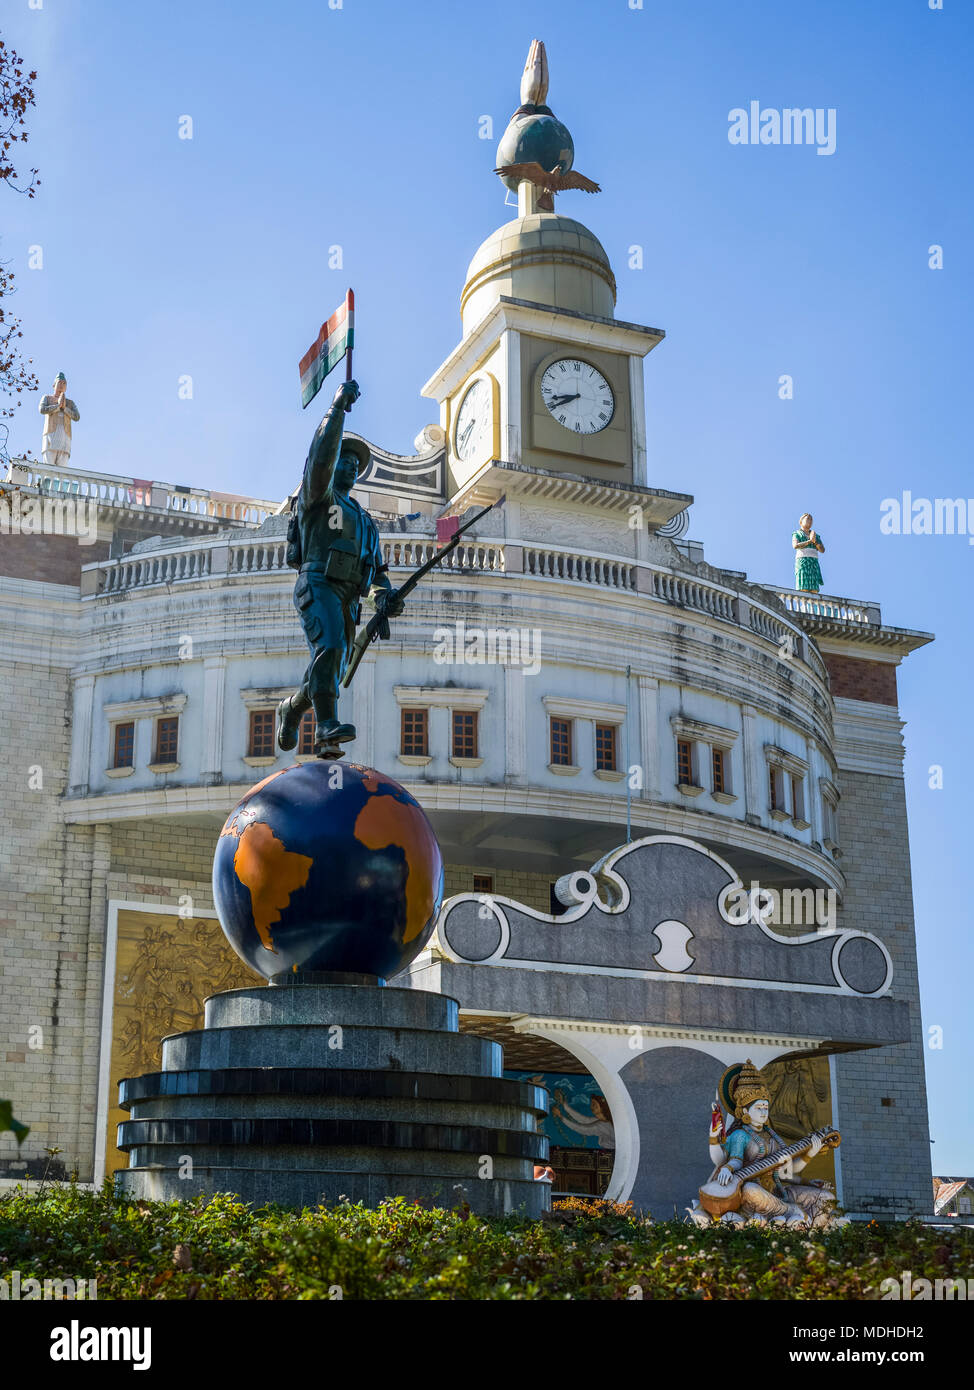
x=303 y=1092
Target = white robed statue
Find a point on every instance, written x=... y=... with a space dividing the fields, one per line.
x=58 y=411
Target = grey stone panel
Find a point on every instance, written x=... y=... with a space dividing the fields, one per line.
x=337 y=1107
x=340 y=1159
x=667 y=882
x=842 y=1018
x=668 y=1086
x=323 y=1005
x=303 y=1189
x=307 y=1045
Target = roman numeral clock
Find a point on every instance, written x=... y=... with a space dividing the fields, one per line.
x=577 y=395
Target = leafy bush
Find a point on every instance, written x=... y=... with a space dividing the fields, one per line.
x=584 y=1250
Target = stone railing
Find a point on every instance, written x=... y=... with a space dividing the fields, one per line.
x=481 y=556
x=686 y=592
x=230 y=558
x=829 y=607
x=559 y=562
x=111 y=490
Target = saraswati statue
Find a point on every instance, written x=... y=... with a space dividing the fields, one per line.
x=755 y=1175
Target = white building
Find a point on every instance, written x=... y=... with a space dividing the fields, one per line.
x=570 y=671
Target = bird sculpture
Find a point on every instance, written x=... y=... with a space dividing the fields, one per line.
x=550 y=181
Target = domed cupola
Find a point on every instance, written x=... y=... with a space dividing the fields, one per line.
x=539 y=256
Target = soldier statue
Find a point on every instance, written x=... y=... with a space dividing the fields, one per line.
x=334 y=544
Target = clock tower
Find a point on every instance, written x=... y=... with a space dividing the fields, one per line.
x=545 y=379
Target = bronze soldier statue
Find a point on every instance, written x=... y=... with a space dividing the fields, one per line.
x=335 y=545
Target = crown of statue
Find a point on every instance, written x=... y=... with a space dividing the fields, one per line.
x=751 y=1086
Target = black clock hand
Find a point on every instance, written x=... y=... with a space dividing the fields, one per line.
x=557 y=401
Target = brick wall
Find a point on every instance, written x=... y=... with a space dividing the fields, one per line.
x=885 y=1153
x=532 y=889
x=50 y=559
x=854 y=679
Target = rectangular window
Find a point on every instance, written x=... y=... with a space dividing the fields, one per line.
x=483 y=883
x=465 y=733
x=167 y=739
x=717 y=758
x=415 y=733
x=798 y=798
x=306 y=733
x=561 y=742
x=776 y=789
x=605 y=747
x=261 y=743
x=684 y=762
x=124 y=745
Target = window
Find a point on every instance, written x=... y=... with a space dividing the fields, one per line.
x=415 y=733
x=605 y=747
x=684 y=762
x=124 y=745
x=776 y=789
x=306 y=733
x=261 y=743
x=798 y=798
x=167 y=739
x=465 y=733
x=717 y=763
x=561 y=742
x=483 y=883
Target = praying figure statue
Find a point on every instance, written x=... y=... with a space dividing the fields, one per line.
x=58 y=411
x=808 y=545
x=756 y=1173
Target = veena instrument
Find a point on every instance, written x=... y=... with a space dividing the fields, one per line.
x=717 y=1198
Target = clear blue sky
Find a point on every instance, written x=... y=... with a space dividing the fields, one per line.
x=359 y=127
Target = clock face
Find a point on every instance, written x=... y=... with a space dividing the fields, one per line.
x=473 y=421
x=578 y=396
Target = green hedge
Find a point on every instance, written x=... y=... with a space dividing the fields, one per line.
x=403 y=1251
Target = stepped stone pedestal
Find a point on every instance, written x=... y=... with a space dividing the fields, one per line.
x=306 y=1091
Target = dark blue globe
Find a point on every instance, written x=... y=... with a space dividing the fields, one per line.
x=328 y=866
x=535 y=137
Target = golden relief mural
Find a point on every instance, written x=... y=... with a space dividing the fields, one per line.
x=801 y=1101
x=165 y=967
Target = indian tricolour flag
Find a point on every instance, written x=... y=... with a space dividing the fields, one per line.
x=335 y=339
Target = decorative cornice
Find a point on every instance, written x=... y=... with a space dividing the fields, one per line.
x=571 y=707
x=703 y=732
x=144 y=709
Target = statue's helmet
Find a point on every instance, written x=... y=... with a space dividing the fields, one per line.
x=359 y=448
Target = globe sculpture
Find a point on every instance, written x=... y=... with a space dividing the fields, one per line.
x=327 y=867
x=535 y=135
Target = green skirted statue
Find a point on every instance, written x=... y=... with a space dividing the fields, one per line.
x=808 y=545
x=334 y=544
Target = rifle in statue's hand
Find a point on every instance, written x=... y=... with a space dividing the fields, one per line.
x=378 y=626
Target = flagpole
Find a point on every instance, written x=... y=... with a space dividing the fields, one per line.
x=349 y=309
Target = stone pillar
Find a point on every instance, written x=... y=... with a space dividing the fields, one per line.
x=81 y=720
x=510 y=370
x=753 y=782
x=214 y=684
x=363 y=709
x=101 y=855
x=515 y=730
x=649 y=737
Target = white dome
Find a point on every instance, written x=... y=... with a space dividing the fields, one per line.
x=544 y=258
